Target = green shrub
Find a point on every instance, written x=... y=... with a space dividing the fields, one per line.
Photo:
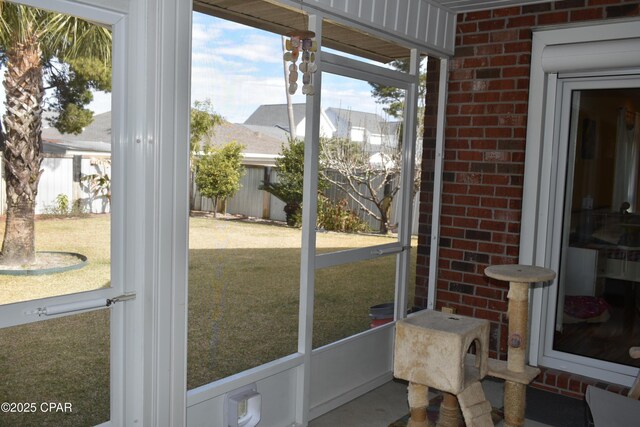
x=338 y=217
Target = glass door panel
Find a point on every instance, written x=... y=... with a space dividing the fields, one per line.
x=360 y=159
x=244 y=259
x=598 y=305
x=73 y=192
x=56 y=372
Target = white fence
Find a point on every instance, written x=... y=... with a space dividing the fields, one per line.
x=63 y=176
x=251 y=201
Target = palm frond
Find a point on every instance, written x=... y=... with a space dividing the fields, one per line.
x=59 y=35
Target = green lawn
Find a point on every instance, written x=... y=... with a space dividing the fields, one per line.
x=243 y=310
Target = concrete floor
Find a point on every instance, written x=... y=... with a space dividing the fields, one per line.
x=386 y=404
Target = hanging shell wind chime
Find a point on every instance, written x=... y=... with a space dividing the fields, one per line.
x=301 y=45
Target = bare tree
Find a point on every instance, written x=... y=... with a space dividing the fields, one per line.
x=367 y=174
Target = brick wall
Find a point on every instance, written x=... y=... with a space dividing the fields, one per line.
x=484 y=155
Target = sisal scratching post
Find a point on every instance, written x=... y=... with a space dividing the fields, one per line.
x=418 y=403
x=514 y=403
x=516 y=375
x=518 y=314
x=449 y=411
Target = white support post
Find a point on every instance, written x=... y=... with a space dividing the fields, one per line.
x=159 y=94
x=406 y=187
x=437 y=183
x=309 y=214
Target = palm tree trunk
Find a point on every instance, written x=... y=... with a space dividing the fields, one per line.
x=22 y=149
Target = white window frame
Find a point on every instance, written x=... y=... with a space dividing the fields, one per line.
x=542 y=206
x=25 y=312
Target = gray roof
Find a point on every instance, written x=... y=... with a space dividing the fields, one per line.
x=275 y=115
x=252 y=140
x=373 y=123
x=95 y=137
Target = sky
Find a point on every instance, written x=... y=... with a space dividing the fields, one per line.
x=239 y=68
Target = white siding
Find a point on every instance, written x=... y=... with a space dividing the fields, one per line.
x=419 y=22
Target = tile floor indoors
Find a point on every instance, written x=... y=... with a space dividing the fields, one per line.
x=386 y=404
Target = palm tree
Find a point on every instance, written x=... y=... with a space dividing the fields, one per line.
x=31 y=40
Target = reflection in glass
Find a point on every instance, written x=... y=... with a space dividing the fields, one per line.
x=62 y=361
x=599 y=299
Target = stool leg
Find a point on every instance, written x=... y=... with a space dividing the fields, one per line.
x=418 y=402
x=449 y=411
x=514 y=402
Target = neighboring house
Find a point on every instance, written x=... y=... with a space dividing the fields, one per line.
x=358 y=126
x=67 y=159
x=364 y=127
x=261 y=147
x=276 y=116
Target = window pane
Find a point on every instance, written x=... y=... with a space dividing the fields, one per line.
x=60 y=368
x=600 y=268
x=360 y=159
x=352 y=298
x=72 y=205
x=243 y=286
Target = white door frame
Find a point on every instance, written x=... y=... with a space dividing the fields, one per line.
x=588 y=44
x=31 y=311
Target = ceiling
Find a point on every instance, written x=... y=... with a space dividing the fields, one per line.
x=269 y=15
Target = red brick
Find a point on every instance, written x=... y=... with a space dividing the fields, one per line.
x=498 y=61
x=476 y=16
x=521 y=21
x=586 y=14
x=563 y=380
x=504 y=84
x=451 y=253
x=486 y=314
x=475 y=279
x=553 y=18
x=485 y=190
x=465 y=222
x=448 y=296
x=550 y=378
x=485 y=121
x=479 y=212
x=502 y=132
x=458 y=121
x=491 y=248
x=468 y=245
x=484 y=144
x=493 y=25
x=506 y=215
x=491 y=225
x=504 y=36
x=467 y=200
x=478 y=38
x=521 y=46
x=495 y=179
x=486 y=97
x=467 y=27
x=472 y=109
x=489 y=293
x=476 y=62
x=507 y=11
x=489 y=49
x=474 y=301
x=494 y=203
x=515 y=72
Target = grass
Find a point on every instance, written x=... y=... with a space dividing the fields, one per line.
x=243 y=310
